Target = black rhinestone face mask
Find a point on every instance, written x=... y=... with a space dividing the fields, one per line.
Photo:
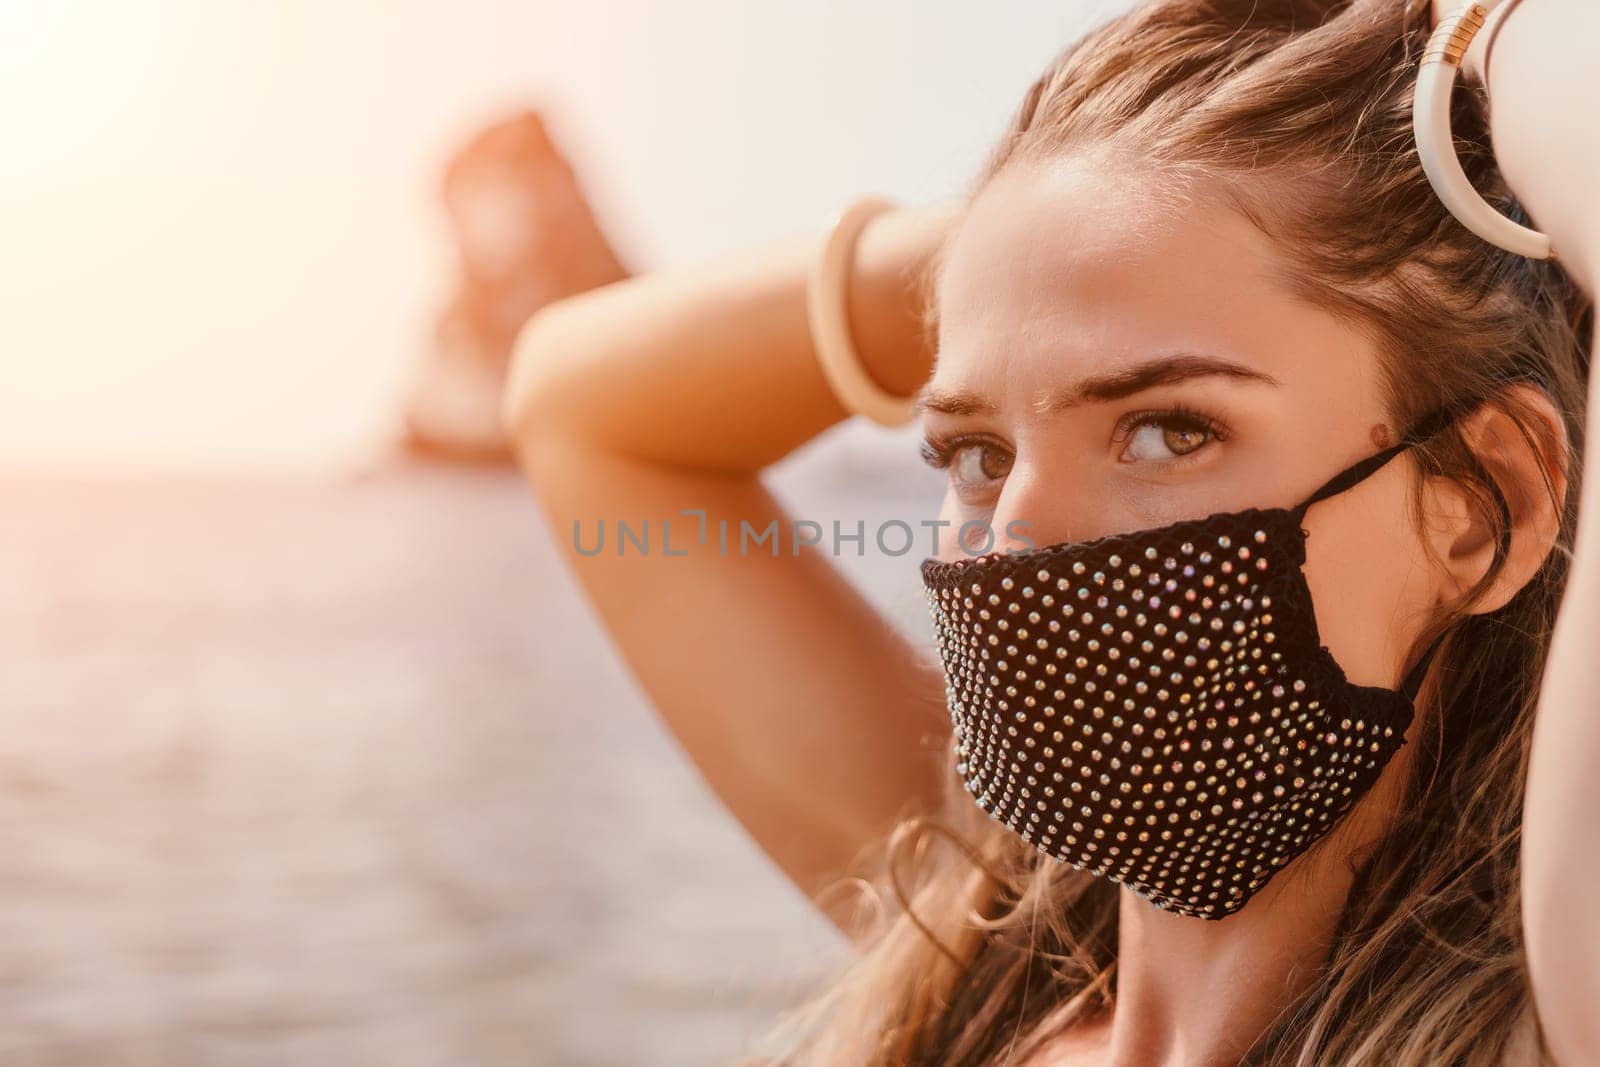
x=1157 y=707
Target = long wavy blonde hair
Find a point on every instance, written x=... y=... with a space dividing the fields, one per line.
x=984 y=949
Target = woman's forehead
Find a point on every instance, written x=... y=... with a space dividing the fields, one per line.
x=1064 y=268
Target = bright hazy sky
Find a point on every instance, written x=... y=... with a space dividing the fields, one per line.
x=218 y=242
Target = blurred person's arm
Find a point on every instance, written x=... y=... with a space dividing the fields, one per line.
x=815 y=721
x=1543 y=87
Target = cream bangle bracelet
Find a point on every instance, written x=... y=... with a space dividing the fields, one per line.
x=827 y=287
x=1430 y=117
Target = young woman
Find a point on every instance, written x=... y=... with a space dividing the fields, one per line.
x=1154 y=809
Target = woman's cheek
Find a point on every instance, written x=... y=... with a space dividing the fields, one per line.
x=966 y=529
x=1369 y=579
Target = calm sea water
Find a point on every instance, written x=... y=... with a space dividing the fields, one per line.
x=302 y=772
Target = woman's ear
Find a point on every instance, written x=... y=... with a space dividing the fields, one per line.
x=1531 y=477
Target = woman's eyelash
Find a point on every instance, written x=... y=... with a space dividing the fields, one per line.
x=1175 y=417
x=940 y=452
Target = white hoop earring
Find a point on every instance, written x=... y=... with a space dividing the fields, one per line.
x=1430 y=118
x=827 y=313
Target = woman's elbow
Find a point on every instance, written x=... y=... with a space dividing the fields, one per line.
x=530 y=401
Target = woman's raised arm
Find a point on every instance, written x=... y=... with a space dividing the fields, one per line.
x=811 y=717
x=1544 y=86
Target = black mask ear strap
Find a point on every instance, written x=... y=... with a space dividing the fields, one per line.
x=1430 y=425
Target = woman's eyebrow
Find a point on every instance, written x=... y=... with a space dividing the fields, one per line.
x=950 y=402
x=1163 y=370
x=1116 y=385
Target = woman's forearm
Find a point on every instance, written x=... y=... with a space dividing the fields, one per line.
x=1544 y=88
x=712 y=368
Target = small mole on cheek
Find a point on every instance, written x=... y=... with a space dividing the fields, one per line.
x=1382 y=436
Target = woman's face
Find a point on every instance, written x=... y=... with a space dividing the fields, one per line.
x=1113 y=359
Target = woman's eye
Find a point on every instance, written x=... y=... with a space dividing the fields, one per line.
x=977 y=464
x=972 y=462
x=1168 y=436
